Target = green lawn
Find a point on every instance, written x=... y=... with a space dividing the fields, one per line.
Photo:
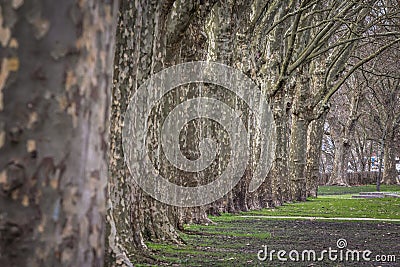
x=220 y=244
x=383 y=208
x=341 y=190
x=235 y=240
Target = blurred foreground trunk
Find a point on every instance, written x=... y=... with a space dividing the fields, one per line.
x=54 y=109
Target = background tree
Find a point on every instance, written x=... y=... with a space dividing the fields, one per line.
x=347 y=109
x=383 y=89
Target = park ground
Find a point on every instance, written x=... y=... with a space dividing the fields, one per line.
x=235 y=240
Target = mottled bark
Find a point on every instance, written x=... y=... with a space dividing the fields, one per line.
x=298 y=136
x=297 y=158
x=360 y=149
x=219 y=30
x=132 y=215
x=315 y=131
x=54 y=104
x=343 y=145
x=123 y=214
x=191 y=46
x=314 y=143
x=340 y=162
x=390 y=175
x=276 y=188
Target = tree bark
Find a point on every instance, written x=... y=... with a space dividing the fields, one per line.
x=389 y=172
x=276 y=188
x=277 y=191
x=314 y=143
x=132 y=215
x=298 y=136
x=340 y=162
x=343 y=145
x=297 y=158
x=54 y=111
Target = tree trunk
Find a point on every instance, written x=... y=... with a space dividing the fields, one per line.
x=298 y=136
x=54 y=110
x=339 y=173
x=379 y=178
x=297 y=158
x=389 y=172
x=268 y=59
x=343 y=145
x=140 y=50
x=314 y=143
x=219 y=29
x=278 y=184
x=370 y=155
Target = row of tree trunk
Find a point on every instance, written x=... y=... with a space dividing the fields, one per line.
x=67 y=197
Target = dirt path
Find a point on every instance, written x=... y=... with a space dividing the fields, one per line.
x=237 y=242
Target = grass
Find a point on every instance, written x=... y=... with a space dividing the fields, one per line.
x=235 y=240
x=381 y=208
x=341 y=190
x=220 y=244
x=336 y=201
